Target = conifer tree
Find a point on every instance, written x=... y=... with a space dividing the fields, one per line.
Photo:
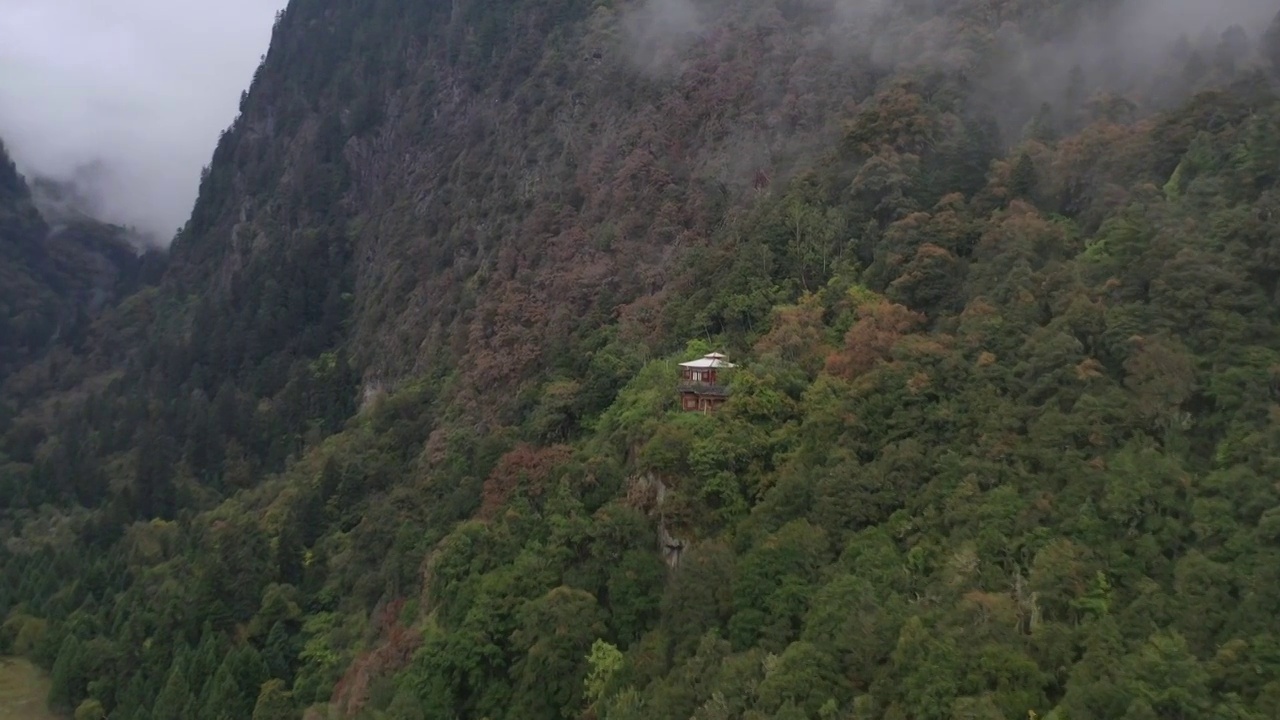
x=67 y=687
x=235 y=686
x=1023 y=179
x=278 y=652
x=176 y=701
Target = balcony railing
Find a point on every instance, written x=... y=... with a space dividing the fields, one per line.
x=702 y=388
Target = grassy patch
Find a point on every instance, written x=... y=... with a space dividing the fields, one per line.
x=23 y=688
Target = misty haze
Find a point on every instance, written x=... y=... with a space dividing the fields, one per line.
x=128 y=97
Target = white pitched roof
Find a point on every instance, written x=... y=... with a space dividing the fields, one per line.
x=710 y=360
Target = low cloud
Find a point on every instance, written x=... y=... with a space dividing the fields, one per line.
x=660 y=31
x=1016 y=59
x=1125 y=35
x=127 y=97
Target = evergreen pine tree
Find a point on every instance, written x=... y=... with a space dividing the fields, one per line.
x=235 y=686
x=1022 y=181
x=67 y=687
x=204 y=662
x=176 y=701
x=1043 y=126
x=277 y=652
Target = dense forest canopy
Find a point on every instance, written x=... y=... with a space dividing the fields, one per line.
x=395 y=434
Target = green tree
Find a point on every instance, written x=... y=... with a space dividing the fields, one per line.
x=68 y=676
x=90 y=710
x=274 y=702
x=1022 y=180
x=605 y=660
x=555 y=634
x=176 y=700
x=235 y=686
x=805 y=676
x=405 y=706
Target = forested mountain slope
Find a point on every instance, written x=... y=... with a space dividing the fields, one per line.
x=397 y=435
x=55 y=276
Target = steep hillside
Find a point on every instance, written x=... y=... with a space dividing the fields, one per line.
x=21 y=229
x=54 y=277
x=397 y=435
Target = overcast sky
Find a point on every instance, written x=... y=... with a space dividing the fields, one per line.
x=144 y=86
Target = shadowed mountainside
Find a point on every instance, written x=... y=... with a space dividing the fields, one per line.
x=54 y=278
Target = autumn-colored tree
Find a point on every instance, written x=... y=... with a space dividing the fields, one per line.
x=525 y=467
x=797 y=335
x=880 y=326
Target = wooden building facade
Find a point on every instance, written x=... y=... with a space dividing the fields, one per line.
x=702 y=386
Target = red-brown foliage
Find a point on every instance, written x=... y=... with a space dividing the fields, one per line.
x=896 y=118
x=525 y=465
x=880 y=327
x=392 y=652
x=797 y=335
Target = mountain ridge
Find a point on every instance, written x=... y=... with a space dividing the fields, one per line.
x=61 y=271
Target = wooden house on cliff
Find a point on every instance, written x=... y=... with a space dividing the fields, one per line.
x=702 y=386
